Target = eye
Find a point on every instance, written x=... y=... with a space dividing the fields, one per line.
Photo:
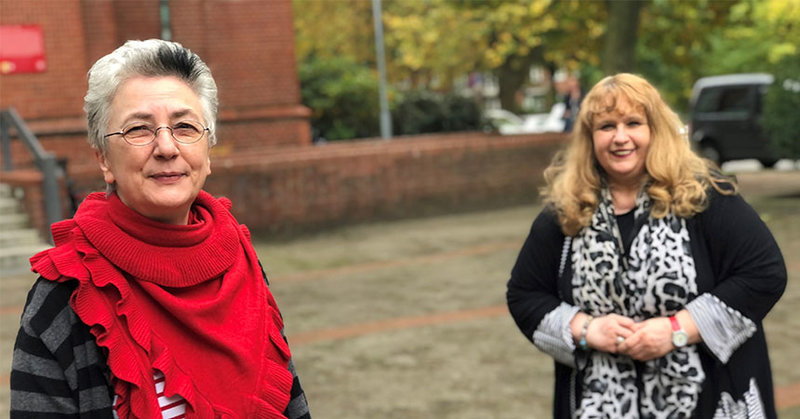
x=136 y=131
x=186 y=127
x=606 y=126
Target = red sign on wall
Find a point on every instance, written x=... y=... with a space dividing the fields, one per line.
x=22 y=49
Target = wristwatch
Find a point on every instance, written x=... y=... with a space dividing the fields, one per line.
x=679 y=336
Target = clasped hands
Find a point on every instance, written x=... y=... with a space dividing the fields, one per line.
x=613 y=333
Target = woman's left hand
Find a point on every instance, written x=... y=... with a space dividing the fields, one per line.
x=651 y=339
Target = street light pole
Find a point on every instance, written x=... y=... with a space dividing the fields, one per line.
x=166 y=29
x=385 y=118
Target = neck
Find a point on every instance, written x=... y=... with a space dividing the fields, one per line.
x=624 y=197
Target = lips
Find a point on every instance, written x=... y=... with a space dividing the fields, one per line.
x=167 y=176
x=622 y=153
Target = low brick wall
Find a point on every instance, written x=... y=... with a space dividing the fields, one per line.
x=336 y=183
x=298 y=188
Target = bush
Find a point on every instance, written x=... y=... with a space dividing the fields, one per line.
x=417 y=113
x=781 y=105
x=343 y=97
x=461 y=114
x=423 y=112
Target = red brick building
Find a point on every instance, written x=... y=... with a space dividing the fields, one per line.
x=248 y=44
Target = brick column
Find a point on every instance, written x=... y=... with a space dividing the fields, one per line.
x=249 y=45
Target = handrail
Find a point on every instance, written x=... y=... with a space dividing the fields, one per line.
x=44 y=160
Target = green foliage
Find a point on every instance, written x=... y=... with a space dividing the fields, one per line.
x=421 y=112
x=417 y=113
x=758 y=35
x=343 y=97
x=461 y=114
x=674 y=45
x=780 y=108
x=430 y=44
x=328 y=29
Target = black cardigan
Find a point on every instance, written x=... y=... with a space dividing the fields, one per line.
x=737 y=260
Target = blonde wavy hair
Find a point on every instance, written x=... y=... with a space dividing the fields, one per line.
x=677 y=178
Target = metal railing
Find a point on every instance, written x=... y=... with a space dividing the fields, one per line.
x=45 y=161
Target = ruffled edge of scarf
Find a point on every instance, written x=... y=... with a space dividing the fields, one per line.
x=76 y=259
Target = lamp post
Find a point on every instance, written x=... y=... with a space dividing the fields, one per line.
x=166 y=30
x=385 y=118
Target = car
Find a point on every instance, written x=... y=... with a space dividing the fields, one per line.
x=509 y=123
x=725 y=118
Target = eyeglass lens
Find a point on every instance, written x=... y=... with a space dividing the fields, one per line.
x=186 y=132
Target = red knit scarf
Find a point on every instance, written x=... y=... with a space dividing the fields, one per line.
x=187 y=300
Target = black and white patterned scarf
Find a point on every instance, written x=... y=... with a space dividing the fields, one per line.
x=656 y=279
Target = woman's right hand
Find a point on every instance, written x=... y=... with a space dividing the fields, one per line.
x=603 y=332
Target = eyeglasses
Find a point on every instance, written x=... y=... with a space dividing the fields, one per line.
x=141 y=134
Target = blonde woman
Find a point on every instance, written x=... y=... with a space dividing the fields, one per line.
x=646 y=276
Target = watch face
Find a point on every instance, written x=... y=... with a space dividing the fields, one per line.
x=680 y=338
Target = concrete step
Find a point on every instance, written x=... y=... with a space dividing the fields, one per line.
x=13 y=221
x=18 y=237
x=15 y=260
x=9 y=205
x=18 y=242
x=6 y=191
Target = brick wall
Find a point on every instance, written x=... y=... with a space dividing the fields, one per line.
x=264 y=161
x=58 y=92
x=348 y=182
x=299 y=188
x=248 y=44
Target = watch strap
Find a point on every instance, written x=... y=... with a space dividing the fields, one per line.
x=675 y=325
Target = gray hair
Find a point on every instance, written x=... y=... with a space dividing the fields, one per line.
x=150 y=58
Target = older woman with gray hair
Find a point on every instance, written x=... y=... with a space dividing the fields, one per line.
x=153 y=302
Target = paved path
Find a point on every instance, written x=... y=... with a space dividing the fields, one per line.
x=407 y=319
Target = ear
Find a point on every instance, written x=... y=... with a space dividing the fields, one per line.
x=102 y=161
x=208 y=165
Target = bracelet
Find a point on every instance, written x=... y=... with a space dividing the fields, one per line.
x=582 y=341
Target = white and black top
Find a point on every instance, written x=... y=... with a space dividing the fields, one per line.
x=722 y=265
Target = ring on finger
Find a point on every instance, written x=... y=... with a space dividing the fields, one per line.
x=620 y=339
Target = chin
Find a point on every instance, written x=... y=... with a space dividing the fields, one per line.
x=171 y=204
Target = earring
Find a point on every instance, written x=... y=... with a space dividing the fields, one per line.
x=110 y=188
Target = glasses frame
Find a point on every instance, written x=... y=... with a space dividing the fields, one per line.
x=121 y=133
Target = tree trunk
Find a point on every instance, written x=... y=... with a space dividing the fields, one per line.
x=620 y=41
x=510 y=79
x=512 y=76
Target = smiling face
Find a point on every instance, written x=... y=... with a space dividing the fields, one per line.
x=162 y=179
x=621 y=140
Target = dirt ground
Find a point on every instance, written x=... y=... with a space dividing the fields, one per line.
x=407 y=319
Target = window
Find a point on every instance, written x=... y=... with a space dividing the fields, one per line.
x=708 y=100
x=734 y=99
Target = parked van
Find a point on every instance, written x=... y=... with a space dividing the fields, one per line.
x=726 y=118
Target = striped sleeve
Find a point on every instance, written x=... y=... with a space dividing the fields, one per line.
x=298 y=405
x=722 y=328
x=553 y=335
x=57 y=370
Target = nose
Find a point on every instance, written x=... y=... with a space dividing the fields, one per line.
x=165 y=145
x=621 y=134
